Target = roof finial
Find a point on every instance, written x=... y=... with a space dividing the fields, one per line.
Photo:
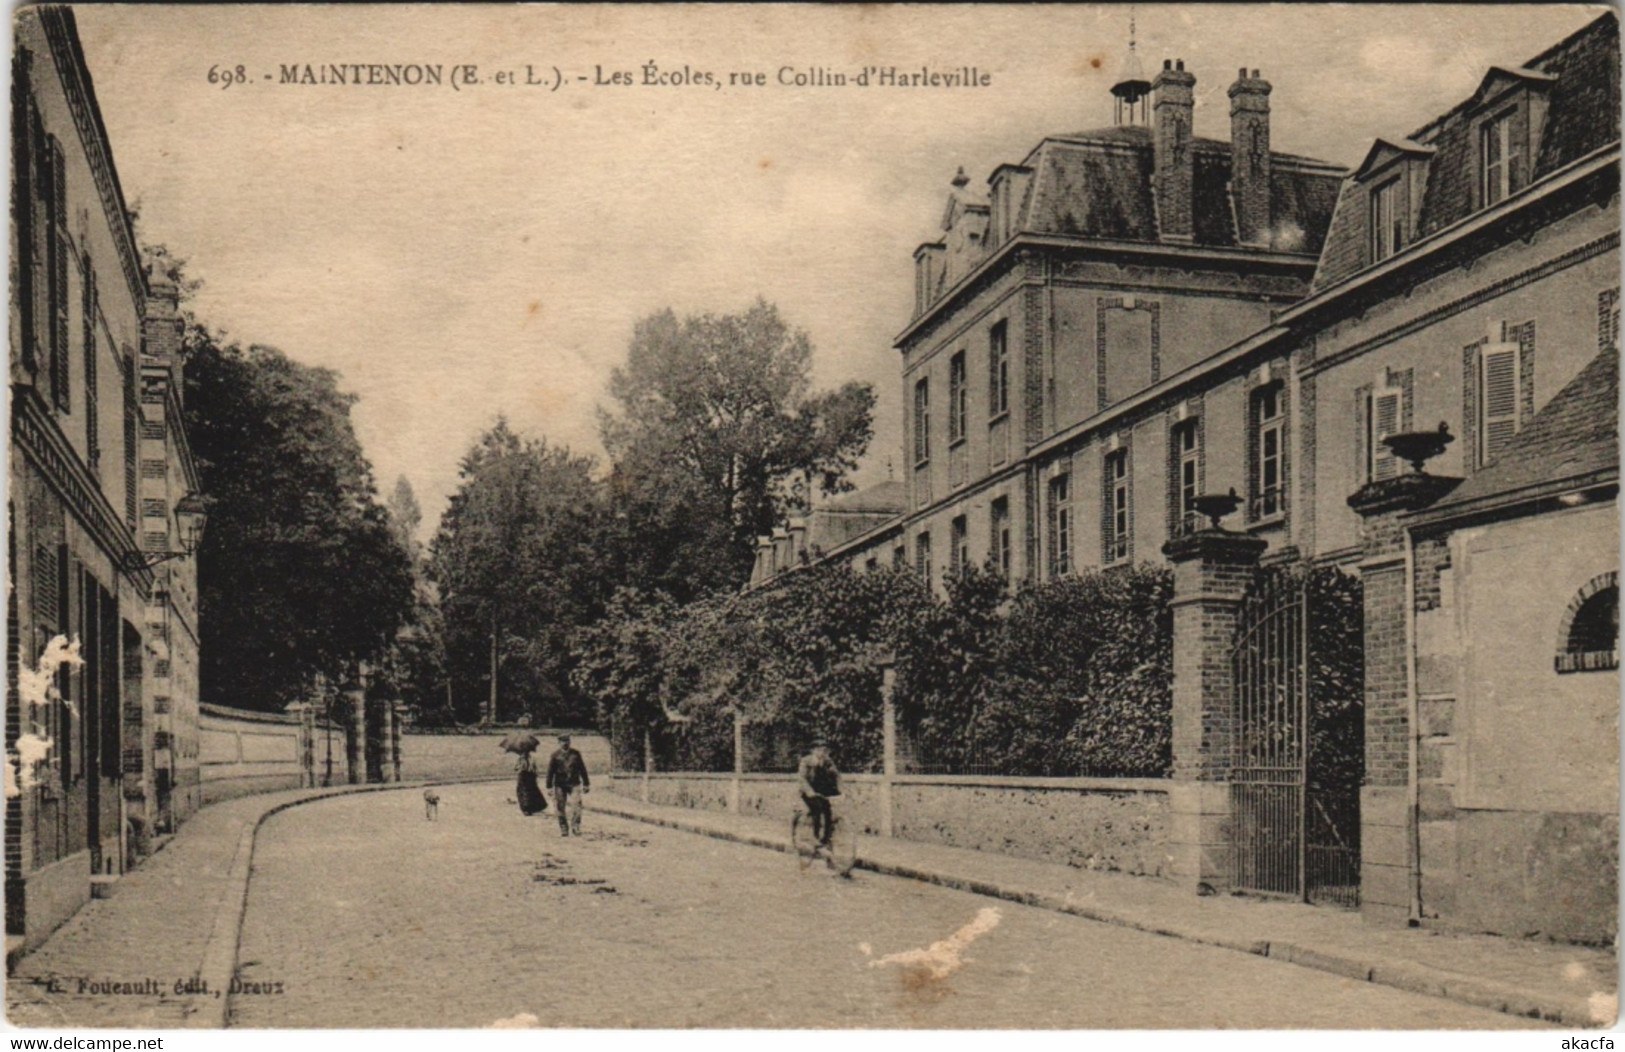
x=961 y=180
x=1132 y=88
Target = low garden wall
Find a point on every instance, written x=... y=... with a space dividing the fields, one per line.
x=452 y=757
x=241 y=752
x=1111 y=824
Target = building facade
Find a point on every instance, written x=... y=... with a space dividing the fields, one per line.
x=1135 y=316
x=78 y=512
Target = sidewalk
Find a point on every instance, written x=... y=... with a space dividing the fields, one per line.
x=1573 y=985
x=173 y=918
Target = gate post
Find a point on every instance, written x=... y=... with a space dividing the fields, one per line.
x=1388 y=862
x=1212 y=570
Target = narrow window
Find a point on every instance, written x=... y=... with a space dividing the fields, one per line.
x=922 y=420
x=1387 y=221
x=1187 y=474
x=998 y=364
x=1268 y=445
x=56 y=252
x=1001 y=536
x=90 y=307
x=922 y=556
x=1118 y=507
x=899 y=557
x=1060 y=522
x=958 y=398
x=960 y=555
x=1498 y=156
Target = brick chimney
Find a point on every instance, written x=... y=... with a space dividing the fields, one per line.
x=1250 y=157
x=1175 y=162
x=162 y=327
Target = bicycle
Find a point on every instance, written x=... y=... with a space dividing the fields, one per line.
x=841 y=854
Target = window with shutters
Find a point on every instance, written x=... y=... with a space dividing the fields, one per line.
x=132 y=412
x=959 y=556
x=922 y=420
x=1381 y=410
x=91 y=308
x=1497 y=400
x=1000 y=532
x=1608 y=319
x=56 y=251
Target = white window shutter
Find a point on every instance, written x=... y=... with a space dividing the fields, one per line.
x=1385 y=416
x=1498 y=399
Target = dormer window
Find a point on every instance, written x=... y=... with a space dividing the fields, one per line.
x=1500 y=158
x=1387 y=220
x=1393 y=176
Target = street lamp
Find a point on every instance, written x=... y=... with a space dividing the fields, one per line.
x=192 y=515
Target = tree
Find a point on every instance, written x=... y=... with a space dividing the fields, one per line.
x=718 y=438
x=300 y=574
x=405 y=517
x=518 y=568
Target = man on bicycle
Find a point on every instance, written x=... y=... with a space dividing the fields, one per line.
x=820 y=782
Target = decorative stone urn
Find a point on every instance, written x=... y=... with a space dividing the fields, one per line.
x=1418 y=447
x=1216 y=506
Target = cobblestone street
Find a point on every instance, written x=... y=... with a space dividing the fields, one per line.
x=369 y=916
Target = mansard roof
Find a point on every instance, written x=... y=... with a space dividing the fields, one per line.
x=1579 y=80
x=1098 y=184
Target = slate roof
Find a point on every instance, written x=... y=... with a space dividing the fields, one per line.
x=1580 y=79
x=1098 y=184
x=883 y=497
x=1573 y=440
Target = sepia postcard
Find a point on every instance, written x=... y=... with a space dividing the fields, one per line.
x=800 y=517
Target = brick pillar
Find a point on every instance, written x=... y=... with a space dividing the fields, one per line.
x=888 y=744
x=398 y=710
x=1387 y=814
x=1212 y=569
x=355 y=740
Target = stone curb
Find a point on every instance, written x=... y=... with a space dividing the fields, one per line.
x=1397 y=973
x=219 y=965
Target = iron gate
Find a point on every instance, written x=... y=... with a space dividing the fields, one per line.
x=1299 y=730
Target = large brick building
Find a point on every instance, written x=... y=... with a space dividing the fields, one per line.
x=1135 y=315
x=98 y=462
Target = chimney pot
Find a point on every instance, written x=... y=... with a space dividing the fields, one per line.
x=1250 y=158
x=1241 y=74
x=1167 y=63
x=1172 y=157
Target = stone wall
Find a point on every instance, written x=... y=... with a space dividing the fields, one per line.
x=257 y=752
x=452 y=757
x=1113 y=824
x=243 y=752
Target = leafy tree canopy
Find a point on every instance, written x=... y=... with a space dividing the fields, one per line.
x=717 y=437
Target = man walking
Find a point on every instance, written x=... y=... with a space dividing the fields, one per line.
x=566 y=774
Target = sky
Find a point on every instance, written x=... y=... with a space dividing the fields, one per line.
x=456 y=253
